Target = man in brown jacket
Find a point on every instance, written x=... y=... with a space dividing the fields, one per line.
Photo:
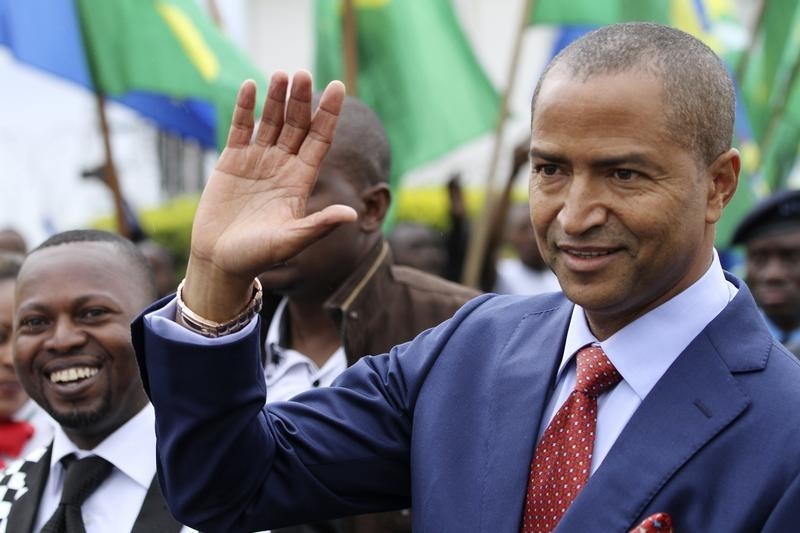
x=342 y=297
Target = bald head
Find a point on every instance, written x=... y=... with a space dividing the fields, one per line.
x=698 y=95
x=360 y=146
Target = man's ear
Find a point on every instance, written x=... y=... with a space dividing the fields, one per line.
x=723 y=176
x=376 y=199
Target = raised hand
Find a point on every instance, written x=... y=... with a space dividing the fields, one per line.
x=252 y=212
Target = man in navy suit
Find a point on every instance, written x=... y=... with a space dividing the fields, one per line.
x=693 y=417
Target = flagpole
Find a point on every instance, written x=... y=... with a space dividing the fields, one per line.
x=213 y=10
x=109 y=169
x=479 y=239
x=350 y=47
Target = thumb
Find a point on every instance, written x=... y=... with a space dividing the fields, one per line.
x=316 y=225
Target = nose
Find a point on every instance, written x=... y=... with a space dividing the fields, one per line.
x=583 y=207
x=66 y=336
x=773 y=270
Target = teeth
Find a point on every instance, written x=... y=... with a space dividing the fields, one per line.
x=588 y=254
x=69 y=375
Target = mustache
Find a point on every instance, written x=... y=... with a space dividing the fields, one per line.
x=598 y=237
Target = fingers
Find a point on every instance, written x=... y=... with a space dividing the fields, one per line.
x=298 y=114
x=242 y=120
x=331 y=216
x=323 y=125
x=272 y=117
x=296 y=235
x=313 y=227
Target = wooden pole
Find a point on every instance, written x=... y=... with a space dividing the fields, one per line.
x=350 y=47
x=110 y=170
x=480 y=235
x=213 y=10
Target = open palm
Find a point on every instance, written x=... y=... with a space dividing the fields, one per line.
x=252 y=211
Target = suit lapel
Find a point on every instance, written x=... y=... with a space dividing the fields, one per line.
x=523 y=382
x=695 y=400
x=154 y=515
x=23 y=512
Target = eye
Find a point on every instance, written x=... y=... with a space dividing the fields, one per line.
x=32 y=324
x=757 y=259
x=546 y=170
x=790 y=257
x=625 y=174
x=94 y=313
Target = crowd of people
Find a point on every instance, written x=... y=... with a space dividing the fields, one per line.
x=311 y=375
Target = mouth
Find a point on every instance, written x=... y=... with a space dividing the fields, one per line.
x=586 y=255
x=73 y=374
x=74 y=381
x=587 y=258
x=771 y=297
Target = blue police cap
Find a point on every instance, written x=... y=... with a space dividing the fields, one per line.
x=778 y=211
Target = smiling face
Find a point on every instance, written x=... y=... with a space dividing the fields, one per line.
x=73 y=350
x=12 y=395
x=623 y=215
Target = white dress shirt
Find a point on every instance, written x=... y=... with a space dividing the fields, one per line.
x=641 y=352
x=289 y=372
x=116 y=503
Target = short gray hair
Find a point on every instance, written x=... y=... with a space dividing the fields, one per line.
x=699 y=99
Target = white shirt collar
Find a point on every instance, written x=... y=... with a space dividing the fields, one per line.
x=131 y=448
x=670 y=327
x=275 y=325
x=282 y=360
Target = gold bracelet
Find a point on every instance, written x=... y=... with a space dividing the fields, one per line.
x=209 y=328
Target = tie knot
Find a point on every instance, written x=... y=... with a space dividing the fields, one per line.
x=82 y=477
x=596 y=374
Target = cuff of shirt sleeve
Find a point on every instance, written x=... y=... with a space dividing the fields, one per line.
x=162 y=323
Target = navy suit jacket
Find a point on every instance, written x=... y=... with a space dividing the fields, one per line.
x=447 y=424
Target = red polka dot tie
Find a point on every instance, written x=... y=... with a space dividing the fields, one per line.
x=563 y=457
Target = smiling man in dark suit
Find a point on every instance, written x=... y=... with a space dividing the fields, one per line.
x=76 y=295
x=649 y=391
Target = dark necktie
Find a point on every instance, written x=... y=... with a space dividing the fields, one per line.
x=563 y=458
x=81 y=479
x=13 y=436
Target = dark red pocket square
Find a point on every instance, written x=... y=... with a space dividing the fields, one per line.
x=657 y=523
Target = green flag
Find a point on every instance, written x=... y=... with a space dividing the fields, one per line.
x=415 y=69
x=599 y=12
x=782 y=151
x=768 y=57
x=771 y=90
x=163 y=46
